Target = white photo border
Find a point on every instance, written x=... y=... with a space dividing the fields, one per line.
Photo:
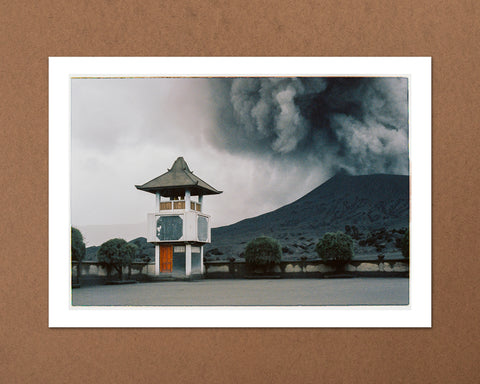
x=416 y=314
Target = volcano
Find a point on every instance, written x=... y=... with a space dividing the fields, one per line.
x=369 y=206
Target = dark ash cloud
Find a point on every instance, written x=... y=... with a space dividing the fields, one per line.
x=351 y=123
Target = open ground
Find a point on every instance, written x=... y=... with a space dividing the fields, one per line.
x=275 y=292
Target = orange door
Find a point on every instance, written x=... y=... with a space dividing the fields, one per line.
x=166 y=258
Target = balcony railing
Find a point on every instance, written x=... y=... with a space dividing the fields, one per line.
x=179 y=204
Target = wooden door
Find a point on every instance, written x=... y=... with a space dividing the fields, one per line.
x=166 y=258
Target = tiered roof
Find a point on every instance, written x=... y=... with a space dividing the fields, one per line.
x=176 y=180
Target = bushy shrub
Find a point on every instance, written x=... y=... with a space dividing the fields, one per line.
x=405 y=245
x=143 y=248
x=116 y=253
x=78 y=246
x=379 y=247
x=337 y=247
x=78 y=250
x=263 y=251
x=355 y=232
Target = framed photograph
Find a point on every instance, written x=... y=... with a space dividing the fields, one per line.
x=240 y=192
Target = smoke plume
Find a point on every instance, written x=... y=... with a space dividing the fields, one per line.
x=355 y=124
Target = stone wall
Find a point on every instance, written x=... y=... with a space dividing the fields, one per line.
x=92 y=268
x=92 y=272
x=309 y=268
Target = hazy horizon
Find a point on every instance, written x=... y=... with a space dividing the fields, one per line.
x=96 y=234
x=264 y=142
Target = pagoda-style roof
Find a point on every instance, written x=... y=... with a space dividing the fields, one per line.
x=176 y=180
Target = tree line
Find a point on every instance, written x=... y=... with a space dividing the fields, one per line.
x=265 y=252
x=334 y=247
x=113 y=255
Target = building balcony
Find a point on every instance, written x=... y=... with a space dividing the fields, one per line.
x=174 y=205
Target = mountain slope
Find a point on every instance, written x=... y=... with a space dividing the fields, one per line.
x=367 y=202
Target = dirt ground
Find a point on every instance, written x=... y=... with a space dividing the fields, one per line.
x=280 y=292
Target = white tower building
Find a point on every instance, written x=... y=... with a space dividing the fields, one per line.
x=178 y=227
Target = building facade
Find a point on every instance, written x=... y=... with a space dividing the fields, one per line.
x=178 y=226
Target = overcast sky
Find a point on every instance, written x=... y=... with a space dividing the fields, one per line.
x=264 y=142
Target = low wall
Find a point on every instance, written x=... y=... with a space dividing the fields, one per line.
x=309 y=268
x=93 y=268
x=93 y=273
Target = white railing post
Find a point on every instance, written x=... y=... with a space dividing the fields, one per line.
x=157 y=259
x=188 y=259
x=157 y=202
x=187 y=200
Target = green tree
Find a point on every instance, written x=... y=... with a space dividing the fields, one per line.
x=142 y=256
x=144 y=249
x=336 y=247
x=78 y=245
x=78 y=249
x=264 y=252
x=116 y=253
x=405 y=245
